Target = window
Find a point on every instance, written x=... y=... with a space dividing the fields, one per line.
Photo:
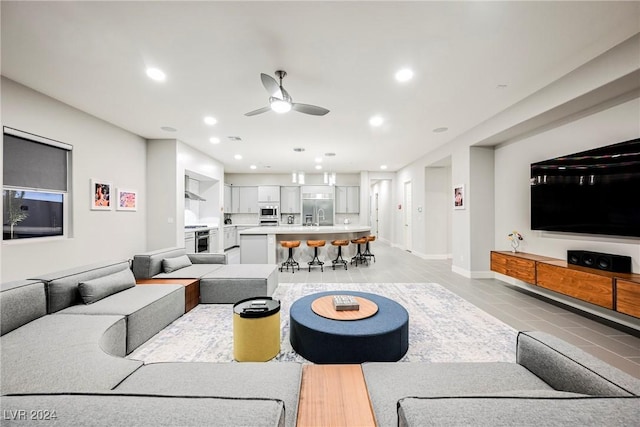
x=34 y=188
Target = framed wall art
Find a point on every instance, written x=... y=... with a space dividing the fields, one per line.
x=458 y=197
x=127 y=200
x=100 y=195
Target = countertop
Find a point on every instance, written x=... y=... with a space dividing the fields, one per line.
x=298 y=229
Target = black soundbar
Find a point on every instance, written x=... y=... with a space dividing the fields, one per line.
x=600 y=261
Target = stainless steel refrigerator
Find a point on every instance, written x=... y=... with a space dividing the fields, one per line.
x=317 y=211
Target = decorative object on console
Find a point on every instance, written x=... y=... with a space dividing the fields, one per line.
x=601 y=261
x=515 y=238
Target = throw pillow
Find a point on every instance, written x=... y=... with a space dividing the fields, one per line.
x=173 y=264
x=96 y=289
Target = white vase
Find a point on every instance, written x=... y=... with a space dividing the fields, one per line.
x=514 y=245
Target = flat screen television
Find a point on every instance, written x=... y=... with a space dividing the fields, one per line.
x=592 y=192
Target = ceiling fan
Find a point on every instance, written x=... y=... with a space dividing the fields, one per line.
x=280 y=101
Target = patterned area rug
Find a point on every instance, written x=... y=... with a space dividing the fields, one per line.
x=442 y=327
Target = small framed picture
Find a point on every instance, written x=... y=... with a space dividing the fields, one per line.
x=458 y=197
x=100 y=195
x=127 y=200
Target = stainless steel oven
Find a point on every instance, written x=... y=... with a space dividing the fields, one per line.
x=268 y=214
x=202 y=241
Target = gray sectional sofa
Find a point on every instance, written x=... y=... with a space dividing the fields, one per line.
x=65 y=335
x=551 y=383
x=220 y=283
x=62 y=360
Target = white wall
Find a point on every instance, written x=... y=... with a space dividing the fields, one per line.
x=576 y=112
x=617 y=124
x=437 y=212
x=100 y=150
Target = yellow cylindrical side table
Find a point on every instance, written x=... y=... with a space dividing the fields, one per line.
x=256 y=329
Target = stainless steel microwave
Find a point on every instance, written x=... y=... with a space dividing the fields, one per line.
x=268 y=211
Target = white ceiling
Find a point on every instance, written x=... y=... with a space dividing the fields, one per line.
x=338 y=55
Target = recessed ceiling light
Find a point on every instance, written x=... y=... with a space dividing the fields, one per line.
x=318 y=167
x=404 y=75
x=168 y=129
x=238 y=157
x=253 y=167
x=210 y=120
x=318 y=159
x=376 y=121
x=214 y=140
x=156 y=74
x=440 y=130
x=383 y=166
x=298 y=149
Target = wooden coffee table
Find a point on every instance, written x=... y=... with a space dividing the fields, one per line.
x=334 y=395
x=191 y=289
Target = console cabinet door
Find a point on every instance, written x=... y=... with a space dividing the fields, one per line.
x=593 y=288
x=513 y=266
x=628 y=297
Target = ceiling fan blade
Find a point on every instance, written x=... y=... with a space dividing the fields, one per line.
x=309 y=109
x=271 y=85
x=258 y=111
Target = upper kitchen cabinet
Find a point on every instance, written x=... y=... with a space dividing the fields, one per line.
x=269 y=193
x=290 y=200
x=227 y=199
x=347 y=199
x=244 y=200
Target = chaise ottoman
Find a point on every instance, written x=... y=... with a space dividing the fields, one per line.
x=234 y=282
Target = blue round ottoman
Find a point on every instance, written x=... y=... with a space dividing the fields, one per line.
x=383 y=337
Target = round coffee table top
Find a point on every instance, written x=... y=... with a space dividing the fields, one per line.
x=323 y=306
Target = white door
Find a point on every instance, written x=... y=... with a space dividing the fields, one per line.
x=406 y=214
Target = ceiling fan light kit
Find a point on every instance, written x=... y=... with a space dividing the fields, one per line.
x=280 y=101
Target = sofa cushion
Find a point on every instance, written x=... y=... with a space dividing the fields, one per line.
x=134 y=410
x=194 y=271
x=240 y=380
x=175 y=263
x=65 y=353
x=518 y=411
x=148 y=309
x=389 y=382
x=62 y=286
x=566 y=367
x=96 y=289
x=20 y=303
x=149 y=264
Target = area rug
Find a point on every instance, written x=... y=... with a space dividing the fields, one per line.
x=443 y=327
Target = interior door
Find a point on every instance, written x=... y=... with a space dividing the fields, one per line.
x=406 y=214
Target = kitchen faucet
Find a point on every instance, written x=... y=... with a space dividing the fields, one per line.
x=319 y=216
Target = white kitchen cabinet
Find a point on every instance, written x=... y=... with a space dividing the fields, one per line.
x=244 y=199
x=347 y=199
x=227 y=199
x=290 y=200
x=229 y=237
x=213 y=241
x=269 y=193
x=190 y=242
x=248 y=200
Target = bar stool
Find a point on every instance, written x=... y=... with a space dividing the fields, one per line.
x=339 y=259
x=290 y=244
x=315 y=244
x=367 y=253
x=358 y=256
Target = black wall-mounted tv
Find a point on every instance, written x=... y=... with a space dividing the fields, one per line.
x=591 y=192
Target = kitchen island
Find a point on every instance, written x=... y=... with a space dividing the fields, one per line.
x=261 y=245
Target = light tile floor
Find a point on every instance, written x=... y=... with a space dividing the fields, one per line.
x=514 y=306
